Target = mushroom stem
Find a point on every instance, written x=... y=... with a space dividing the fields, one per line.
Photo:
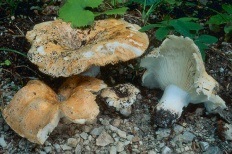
x=171 y=105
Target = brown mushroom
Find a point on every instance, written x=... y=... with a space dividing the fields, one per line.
x=34 y=112
x=79 y=104
x=59 y=50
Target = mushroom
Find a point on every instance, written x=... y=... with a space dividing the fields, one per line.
x=59 y=50
x=36 y=109
x=120 y=97
x=33 y=112
x=177 y=68
x=79 y=104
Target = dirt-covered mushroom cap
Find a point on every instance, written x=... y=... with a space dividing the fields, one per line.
x=120 y=97
x=79 y=94
x=59 y=50
x=33 y=112
x=177 y=68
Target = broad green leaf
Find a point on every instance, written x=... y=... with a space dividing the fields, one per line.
x=150 y=26
x=181 y=28
x=74 y=11
x=228 y=29
x=202 y=47
x=162 y=32
x=7 y=62
x=148 y=2
x=219 y=19
x=193 y=26
x=119 y=11
x=208 y=39
x=227 y=8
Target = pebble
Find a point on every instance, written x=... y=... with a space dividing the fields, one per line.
x=72 y=142
x=151 y=152
x=178 y=129
x=97 y=131
x=166 y=150
x=120 y=146
x=78 y=149
x=104 y=139
x=129 y=137
x=113 y=150
x=204 y=145
x=213 y=150
x=2 y=142
x=162 y=133
x=65 y=147
x=57 y=147
x=48 y=149
x=116 y=122
x=84 y=135
x=136 y=139
x=186 y=137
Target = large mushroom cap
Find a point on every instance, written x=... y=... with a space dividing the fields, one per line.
x=33 y=112
x=79 y=104
x=60 y=50
x=177 y=64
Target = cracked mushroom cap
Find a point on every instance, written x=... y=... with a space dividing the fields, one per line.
x=120 y=97
x=33 y=112
x=79 y=94
x=59 y=50
x=177 y=68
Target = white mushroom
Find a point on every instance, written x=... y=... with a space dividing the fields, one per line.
x=177 y=68
x=120 y=97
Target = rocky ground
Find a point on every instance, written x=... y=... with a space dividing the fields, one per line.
x=195 y=132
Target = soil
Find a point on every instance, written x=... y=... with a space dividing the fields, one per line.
x=145 y=137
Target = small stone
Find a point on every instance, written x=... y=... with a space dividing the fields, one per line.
x=78 y=149
x=48 y=149
x=166 y=150
x=116 y=122
x=129 y=137
x=113 y=150
x=162 y=133
x=204 y=145
x=151 y=152
x=136 y=139
x=72 y=142
x=84 y=135
x=121 y=133
x=86 y=128
x=65 y=147
x=105 y=122
x=186 y=137
x=104 y=139
x=97 y=131
x=120 y=147
x=87 y=148
x=57 y=147
x=2 y=142
x=178 y=129
x=126 y=143
x=213 y=150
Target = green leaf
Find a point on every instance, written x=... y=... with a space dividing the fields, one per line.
x=193 y=26
x=181 y=28
x=219 y=19
x=188 y=19
x=162 y=32
x=148 y=2
x=74 y=11
x=227 y=8
x=202 y=48
x=119 y=11
x=150 y=26
x=207 y=39
x=228 y=29
x=7 y=62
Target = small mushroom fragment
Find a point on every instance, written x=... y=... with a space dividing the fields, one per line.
x=120 y=97
x=79 y=104
x=177 y=68
x=59 y=50
x=33 y=112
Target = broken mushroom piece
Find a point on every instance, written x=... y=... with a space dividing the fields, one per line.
x=33 y=112
x=78 y=95
x=59 y=50
x=177 y=68
x=120 y=97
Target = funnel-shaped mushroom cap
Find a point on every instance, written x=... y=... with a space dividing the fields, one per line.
x=177 y=68
x=33 y=112
x=78 y=92
x=60 y=50
x=178 y=62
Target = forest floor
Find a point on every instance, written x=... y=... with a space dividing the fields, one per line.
x=195 y=132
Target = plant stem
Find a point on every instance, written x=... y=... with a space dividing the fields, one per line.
x=11 y=50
